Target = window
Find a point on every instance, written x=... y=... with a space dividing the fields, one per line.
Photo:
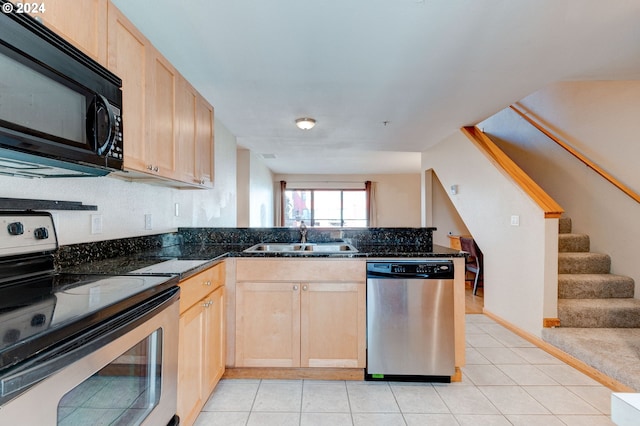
x=325 y=207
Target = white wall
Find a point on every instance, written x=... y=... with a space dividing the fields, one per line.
x=261 y=195
x=444 y=215
x=123 y=204
x=518 y=275
x=255 y=191
x=398 y=195
x=598 y=119
x=243 y=176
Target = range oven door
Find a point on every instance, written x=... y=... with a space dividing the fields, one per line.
x=125 y=376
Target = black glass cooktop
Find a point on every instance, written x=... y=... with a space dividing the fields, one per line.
x=40 y=311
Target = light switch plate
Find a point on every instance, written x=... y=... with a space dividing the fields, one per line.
x=515 y=220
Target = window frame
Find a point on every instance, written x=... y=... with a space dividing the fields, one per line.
x=312 y=212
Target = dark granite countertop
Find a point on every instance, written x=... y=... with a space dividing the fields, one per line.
x=184 y=258
x=366 y=251
x=185 y=261
x=188 y=251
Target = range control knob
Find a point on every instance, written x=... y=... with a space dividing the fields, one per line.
x=38 y=320
x=11 y=336
x=15 y=228
x=41 y=233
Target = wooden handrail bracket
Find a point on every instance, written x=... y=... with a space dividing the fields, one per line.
x=593 y=166
x=550 y=207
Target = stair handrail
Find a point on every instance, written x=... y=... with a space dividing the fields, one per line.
x=550 y=207
x=593 y=166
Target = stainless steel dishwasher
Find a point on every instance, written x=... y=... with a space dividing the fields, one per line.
x=410 y=334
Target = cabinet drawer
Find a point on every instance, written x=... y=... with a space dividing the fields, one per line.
x=199 y=285
x=334 y=270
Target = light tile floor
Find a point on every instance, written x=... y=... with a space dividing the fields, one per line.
x=507 y=381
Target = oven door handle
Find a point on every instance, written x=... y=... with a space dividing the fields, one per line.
x=39 y=368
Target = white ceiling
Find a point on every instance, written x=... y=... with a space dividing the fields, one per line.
x=426 y=67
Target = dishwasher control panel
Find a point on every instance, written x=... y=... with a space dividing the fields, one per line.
x=411 y=269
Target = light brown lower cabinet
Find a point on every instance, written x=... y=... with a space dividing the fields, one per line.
x=300 y=324
x=333 y=325
x=201 y=359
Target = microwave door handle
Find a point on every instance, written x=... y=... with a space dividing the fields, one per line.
x=102 y=147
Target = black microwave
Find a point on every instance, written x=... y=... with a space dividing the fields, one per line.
x=60 y=111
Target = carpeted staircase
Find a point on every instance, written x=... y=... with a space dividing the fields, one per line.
x=599 y=317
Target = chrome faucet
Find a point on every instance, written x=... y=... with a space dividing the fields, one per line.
x=303 y=232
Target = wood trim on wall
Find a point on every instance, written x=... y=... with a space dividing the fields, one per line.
x=550 y=207
x=550 y=322
x=579 y=365
x=315 y=373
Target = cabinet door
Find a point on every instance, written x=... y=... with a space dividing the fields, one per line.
x=267 y=324
x=200 y=285
x=204 y=142
x=191 y=376
x=333 y=325
x=127 y=58
x=215 y=348
x=186 y=100
x=160 y=113
x=82 y=23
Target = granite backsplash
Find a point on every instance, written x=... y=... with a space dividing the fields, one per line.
x=421 y=237
x=76 y=254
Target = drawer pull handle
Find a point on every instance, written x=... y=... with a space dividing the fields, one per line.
x=305 y=287
x=295 y=288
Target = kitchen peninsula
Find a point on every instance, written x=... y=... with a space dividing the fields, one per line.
x=319 y=296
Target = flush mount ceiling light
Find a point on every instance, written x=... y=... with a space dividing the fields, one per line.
x=305 y=123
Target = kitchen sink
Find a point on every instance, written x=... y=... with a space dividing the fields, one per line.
x=306 y=248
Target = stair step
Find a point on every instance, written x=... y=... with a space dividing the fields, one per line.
x=573 y=243
x=594 y=286
x=583 y=263
x=613 y=351
x=599 y=313
x=564 y=225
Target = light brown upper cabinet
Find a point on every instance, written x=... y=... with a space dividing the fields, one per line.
x=64 y=18
x=204 y=142
x=128 y=58
x=194 y=117
x=186 y=100
x=160 y=144
x=168 y=125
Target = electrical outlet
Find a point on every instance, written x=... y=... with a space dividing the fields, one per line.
x=96 y=224
x=515 y=220
x=148 y=224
